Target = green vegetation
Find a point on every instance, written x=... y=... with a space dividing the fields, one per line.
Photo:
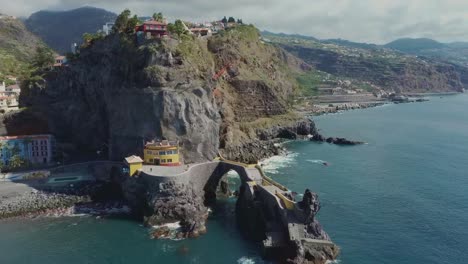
x=194 y=53
x=89 y=38
x=158 y=17
x=267 y=122
x=40 y=65
x=15 y=160
x=17 y=48
x=177 y=28
x=125 y=24
x=310 y=81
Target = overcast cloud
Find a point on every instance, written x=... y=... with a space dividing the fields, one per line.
x=376 y=21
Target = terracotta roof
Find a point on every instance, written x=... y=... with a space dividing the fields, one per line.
x=60 y=57
x=14 y=86
x=133 y=159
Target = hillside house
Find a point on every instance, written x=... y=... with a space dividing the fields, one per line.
x=60 y=61
x=152 y=28
x=201 y=31
x=217 y=27
x=15 y=89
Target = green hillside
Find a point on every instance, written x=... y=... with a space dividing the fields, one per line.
x=17 y=47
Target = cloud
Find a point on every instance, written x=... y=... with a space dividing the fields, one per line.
x=376 y=21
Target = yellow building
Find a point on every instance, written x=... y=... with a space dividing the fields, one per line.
x=134 y=163
x=162 y=153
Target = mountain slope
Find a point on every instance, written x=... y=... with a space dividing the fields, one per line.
x=17 y=46
x=414 y=45
x=59 y=29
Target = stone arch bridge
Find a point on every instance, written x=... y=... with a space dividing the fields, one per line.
x=264 y=207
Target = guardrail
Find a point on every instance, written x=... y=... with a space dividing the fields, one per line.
x=270 y=180
x=266 y=181
x=221 y=158
x=289 y=204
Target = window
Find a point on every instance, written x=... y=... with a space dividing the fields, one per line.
x=162 y=152
x=149 y=152
x=163 y=161
x=169 y=160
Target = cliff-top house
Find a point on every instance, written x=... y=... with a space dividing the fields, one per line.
x=152 y=28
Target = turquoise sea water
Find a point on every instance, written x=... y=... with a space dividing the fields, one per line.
x=402 y=198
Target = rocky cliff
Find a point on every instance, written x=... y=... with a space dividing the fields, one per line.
x=120 y=92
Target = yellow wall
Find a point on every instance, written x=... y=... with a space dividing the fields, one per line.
x=134 y=168
x=153 y=153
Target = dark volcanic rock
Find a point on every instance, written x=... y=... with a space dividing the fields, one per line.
x=336 y=141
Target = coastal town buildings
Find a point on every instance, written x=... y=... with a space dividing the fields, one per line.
x=162 y=153
x=9 y=96
x=201 y=31
x=33 y=149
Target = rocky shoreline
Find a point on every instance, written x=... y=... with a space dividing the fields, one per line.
x=27 y=202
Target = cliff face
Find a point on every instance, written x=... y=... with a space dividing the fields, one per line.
x=118 y=94
x=391 y=72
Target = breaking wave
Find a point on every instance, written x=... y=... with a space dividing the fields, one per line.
x=245 y=260
x=317 y=161
x=273 y=164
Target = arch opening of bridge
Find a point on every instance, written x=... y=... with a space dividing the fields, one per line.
x=218 y=180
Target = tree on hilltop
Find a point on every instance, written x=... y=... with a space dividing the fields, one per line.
x=224 y=20
x=231 y=20
x=158 y=17
x=177 y=28
x=121 y=23
x=43 y=59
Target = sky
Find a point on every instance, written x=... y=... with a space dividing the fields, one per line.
x=371 y=21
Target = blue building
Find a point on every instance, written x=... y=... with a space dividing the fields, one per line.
x=34 y=149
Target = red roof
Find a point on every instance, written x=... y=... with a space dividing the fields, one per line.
x=26 y=136
x=153 y=22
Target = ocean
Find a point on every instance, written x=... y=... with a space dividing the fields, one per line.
x=400 y=198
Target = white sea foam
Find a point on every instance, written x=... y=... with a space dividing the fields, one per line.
x=232 y=175
x=273 y=164
x=333 y=261
x=171 y=226
x=245 y=260
x=317 y=161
